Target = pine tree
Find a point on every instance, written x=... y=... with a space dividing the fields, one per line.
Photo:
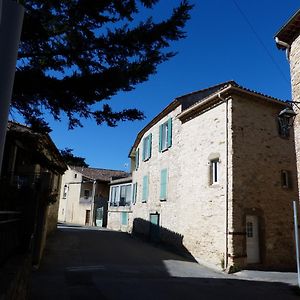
x=76 y=53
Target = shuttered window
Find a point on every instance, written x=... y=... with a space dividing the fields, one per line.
x=163 y=184
x=145 y=188
x=165 y=135
x=134 y=193
x=137 y=157
x=147 y=145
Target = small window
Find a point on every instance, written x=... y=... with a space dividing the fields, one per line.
x=147 y=145
x=75 y=175
x=125 y=195
x=214 y=171
x=165 y=135
x=65 y=192
x=86 y=194
x=249 y=229
x=285 y=179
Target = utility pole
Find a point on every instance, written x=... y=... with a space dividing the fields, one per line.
x=11 y=20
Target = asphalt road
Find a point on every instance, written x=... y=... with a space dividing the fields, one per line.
x=81 y=263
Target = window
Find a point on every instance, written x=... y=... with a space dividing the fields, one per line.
x=145 y=188
x=285 y=179
x=86 y=194
x=249 y=229
x=165 y=135
x=163 y=184
x=134 y=193
x=75 y=175
x=124 y=218
x=65 y=191
x=214 y=171
x=114 y=195
x=147 y=143
x=137 y=157
x=125 y=195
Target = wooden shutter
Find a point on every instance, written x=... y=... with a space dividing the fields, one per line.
x=163 y=184
x=150 y=144
x=137 y=157
x=160 y=138
x=170 y=132
x=145 y=188
x=144 y=149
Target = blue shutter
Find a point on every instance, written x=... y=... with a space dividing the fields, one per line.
x=160 y=138
x=150 y=144
x=145 y=188
x=163 y=184
x=170 y=132
x=137 y=157
x=124 y=216
x=144 y=149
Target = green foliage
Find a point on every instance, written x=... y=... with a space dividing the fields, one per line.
x=72 y=160
x=76 y=53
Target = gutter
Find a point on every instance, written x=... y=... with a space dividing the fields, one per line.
x=285 y=45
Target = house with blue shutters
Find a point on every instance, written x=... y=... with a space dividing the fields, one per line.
x=214 y=175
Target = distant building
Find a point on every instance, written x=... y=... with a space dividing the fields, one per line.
x=84 y=195
x=120 y=204
x=215 y=175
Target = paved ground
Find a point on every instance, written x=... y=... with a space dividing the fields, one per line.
x=84 y=263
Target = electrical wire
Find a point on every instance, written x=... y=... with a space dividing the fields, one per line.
x=261 y=42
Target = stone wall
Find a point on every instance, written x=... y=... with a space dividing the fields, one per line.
x=294 y=58
x=259 y=155
x=194 y=213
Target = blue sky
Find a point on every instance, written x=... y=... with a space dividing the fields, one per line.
x=220 y=46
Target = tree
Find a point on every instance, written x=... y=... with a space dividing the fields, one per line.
x=76 y=53
x=72 y=160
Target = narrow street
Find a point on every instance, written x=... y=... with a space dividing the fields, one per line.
x=85 y=263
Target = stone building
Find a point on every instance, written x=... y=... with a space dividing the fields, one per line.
x=120 y=204
x=84 y=195
x=215 y=176
x=288 y=39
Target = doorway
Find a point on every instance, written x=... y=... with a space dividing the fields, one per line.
x=252 y=239
x=154 y=227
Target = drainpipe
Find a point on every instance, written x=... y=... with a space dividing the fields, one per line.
x=285 y=45
x=226 y=183
x=11 y=19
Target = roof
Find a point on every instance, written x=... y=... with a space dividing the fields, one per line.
x=100 y=174
x=193 y=99
x=45 y=151
x=289 y=31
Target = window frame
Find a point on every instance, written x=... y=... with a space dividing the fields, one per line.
x=285 y=177
x=84 y=194
x=215 y=171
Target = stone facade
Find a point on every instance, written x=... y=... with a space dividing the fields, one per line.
x=207 y=220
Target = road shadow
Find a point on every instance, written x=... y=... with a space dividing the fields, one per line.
x=88 y=264
x=160 y=236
